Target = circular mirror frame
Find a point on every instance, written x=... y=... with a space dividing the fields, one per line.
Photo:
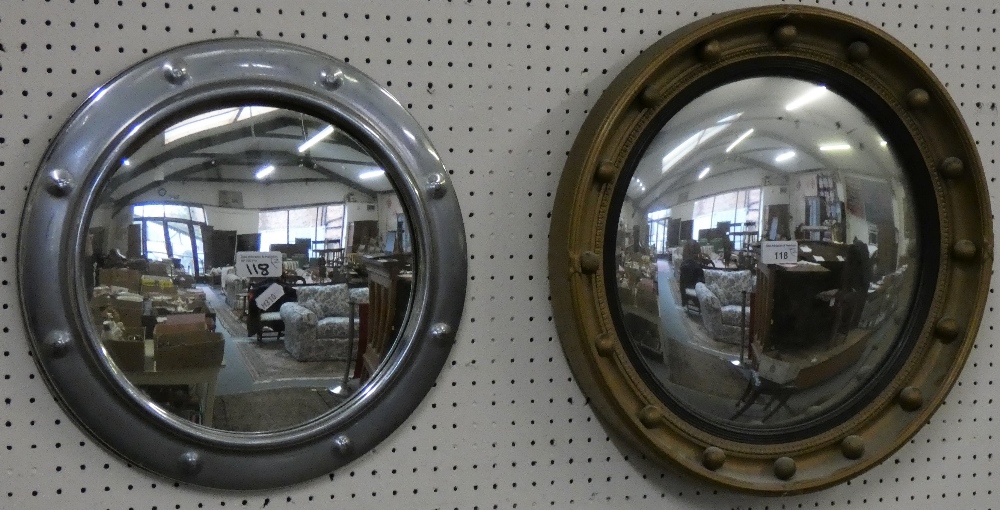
x=115 y=119
x=806 y=38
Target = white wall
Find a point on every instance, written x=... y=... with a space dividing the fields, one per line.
x=773 y=195
x=389 y=206
x=629 y=216
x=357 y=211
x=243 y=221
x=255 y=196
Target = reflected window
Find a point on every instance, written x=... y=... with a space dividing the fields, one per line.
x=325 y=223
x=172 y=231
x=658 y=222
x=735 y=208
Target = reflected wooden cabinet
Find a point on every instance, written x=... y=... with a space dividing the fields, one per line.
x=361 y=234
x=389 y=284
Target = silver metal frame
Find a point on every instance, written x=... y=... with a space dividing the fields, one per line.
x=116 y=119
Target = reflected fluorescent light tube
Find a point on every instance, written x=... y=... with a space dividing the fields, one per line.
x=264 y=172
x=704 y=173
x=784 y=156
x=318 y=137
x=736 y=142
x=808 y=97
x=371 y=175
x=835 y=147
x=730 y=118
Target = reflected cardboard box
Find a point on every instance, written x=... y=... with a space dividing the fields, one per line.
x=152 y=284
x=126 y=311
x=185 y=341
x=200 y=349
x=127 y=278
x=128 y=353
x=160 y=268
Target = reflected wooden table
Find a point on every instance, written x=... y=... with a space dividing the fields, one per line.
x=202 y=376
x=203 y=379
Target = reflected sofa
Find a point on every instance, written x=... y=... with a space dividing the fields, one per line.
x=317 y=325
x=233 y=286
x=721 y=300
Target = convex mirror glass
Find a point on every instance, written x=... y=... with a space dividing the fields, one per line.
x=766 y=252
x=227 y=262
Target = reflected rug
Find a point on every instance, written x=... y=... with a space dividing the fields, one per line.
x=270 y=362
x=224 y=315
x=274 y=409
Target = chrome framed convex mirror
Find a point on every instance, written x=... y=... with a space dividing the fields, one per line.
x=770 y=249
x=241 y=265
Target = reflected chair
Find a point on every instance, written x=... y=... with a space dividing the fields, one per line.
x=776 y=384
x=317 y=326
x=258 y=320
x=691 y=273
x=757 y=387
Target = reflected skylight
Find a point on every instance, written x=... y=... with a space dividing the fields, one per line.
x=212 y=119
x=684 y=148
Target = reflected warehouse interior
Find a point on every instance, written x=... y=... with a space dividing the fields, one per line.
x=248 y=268
x=766 y=252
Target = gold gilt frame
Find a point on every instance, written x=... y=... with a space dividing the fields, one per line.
x=799 y=41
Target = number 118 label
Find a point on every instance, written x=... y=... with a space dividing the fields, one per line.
x=258 y=264
x=779 y=252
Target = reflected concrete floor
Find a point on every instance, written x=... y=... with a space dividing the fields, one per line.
x=706 y=374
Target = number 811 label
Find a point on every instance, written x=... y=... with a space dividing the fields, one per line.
x=779 y=252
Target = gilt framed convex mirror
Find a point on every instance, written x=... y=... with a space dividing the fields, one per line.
x=241 y=264
x=770 y=249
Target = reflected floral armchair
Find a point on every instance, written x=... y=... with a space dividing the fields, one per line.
x=721 y=300
x=317 y=327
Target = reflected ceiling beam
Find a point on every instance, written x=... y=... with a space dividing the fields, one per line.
x=128 y=197
x=257 y=157
x=827 y=159
x=282 y=159
x=218 y=161
x=708 y=156
x=705 y=158
x=188 y=148
x=656 y=192
x=330 y=174
x=337 y=138
x=183 y=174
x=801 y=136
x=255 y=181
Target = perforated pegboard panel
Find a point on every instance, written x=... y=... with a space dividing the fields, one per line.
x=502 y=88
